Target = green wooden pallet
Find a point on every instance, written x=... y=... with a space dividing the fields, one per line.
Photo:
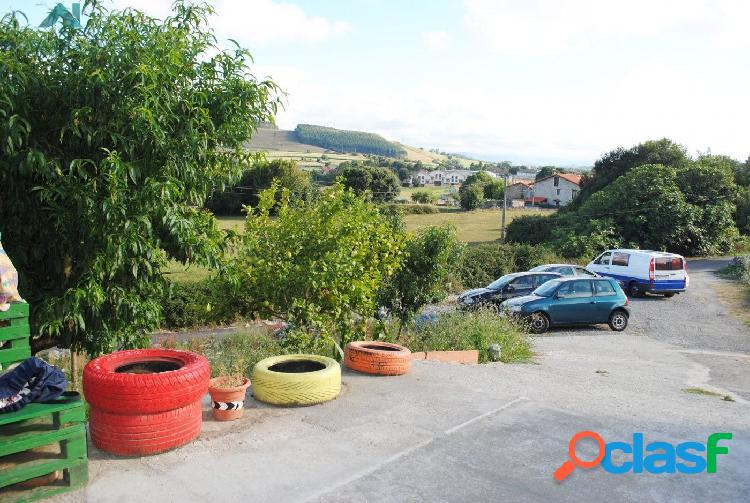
x=40 y=438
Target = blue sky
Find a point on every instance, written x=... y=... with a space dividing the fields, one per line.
x=528 y=81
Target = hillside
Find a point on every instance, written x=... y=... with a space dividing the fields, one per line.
x=283 y=144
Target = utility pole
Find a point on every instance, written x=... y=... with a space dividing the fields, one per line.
x=505 y=206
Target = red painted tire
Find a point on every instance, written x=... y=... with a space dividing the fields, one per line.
x=144 y=434
x=180 y=380
x=373 y=357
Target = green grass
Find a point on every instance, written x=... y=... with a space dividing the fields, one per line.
x=476 y=226
x=705 y=392
x=406 y=192
x=460 y=331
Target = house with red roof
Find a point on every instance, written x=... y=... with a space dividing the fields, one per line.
x=555 y=190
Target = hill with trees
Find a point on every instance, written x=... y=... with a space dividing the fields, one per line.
x=341 y=140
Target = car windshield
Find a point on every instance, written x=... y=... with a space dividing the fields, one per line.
x=547 y=289
x=500 y=282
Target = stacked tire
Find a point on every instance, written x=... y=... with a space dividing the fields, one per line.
x=145 y=401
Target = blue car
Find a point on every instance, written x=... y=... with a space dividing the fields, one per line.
x=573 y=301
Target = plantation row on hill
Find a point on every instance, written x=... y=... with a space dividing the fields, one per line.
x=342 y=140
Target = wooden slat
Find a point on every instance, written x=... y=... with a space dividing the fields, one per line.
x=35 y=410
x=28 y=440
x=17 y=310
x=39 y=467
x=75 y=476
x=20 y=331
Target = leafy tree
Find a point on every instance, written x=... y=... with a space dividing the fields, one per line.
x=478 y=187
x=547 y=171
x=471 y=197
x=112 y=137
x=423 y=196
x=380 y=182
x=742 y=213
x=658 y=207
x=318 y=265
x=429 y=257
x=494 y=189
x=247 y=191
x=619 y=161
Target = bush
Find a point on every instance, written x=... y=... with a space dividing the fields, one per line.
x=235 y=354
x=411 y=209
x=198 y=304
x=484 y=263
x=738 y=269
x=471 y=197
x=531 y=229
x=247 y=191
x=423 y=197
x=469 y=330
x=429 y=257
x=318 y=265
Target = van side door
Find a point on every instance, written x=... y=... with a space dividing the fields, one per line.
x=601 y=264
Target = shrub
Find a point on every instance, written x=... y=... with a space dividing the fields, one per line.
x=196 y=304
x=531 y=229
x=235 y=354
x=471 y=197
x=738 y=269
x=484 y=263
x=318 y=265
x=429 y=258
x=423 y=197
x=411 y=209
x=466 y=331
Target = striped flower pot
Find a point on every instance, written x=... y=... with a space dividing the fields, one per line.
x=227 y=398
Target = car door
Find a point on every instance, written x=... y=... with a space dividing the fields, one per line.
x=522 y=285
x=602 y=264
x=605 y=298
x=574 y=303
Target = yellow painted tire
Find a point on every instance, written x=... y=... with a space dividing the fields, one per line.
x=296 y=380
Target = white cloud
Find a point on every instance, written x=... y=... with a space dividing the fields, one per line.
x=268 y=22
x=257 y=22
x=436 y=40
x=539 y=27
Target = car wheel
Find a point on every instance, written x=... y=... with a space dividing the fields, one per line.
x=539 y=323
x=634 y=290
x=618 y=321
x=669 y=295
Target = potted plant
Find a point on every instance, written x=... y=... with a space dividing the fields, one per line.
x=228 y=395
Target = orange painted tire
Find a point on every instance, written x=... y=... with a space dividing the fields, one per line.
x=381 y=358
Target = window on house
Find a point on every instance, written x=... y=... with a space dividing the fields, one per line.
x=558 y=192
x=573 y=193
x=557 y=181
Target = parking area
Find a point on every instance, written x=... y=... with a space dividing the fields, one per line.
x=494 y=432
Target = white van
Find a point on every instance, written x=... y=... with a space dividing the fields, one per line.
x=641 y=271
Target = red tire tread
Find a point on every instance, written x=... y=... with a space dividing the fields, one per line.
x=144 y=434
x=115 y=392
x=358 y=356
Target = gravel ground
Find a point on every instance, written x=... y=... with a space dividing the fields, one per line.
x=695 y=323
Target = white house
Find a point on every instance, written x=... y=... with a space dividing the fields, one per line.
x=446 y=176
x=556 y=190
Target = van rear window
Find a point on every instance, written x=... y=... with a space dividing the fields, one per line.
x=669 y=264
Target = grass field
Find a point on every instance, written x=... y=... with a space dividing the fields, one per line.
x=406 y=192
x=473 y=226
